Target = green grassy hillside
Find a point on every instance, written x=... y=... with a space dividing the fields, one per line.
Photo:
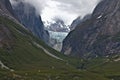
x=27 y=61
x=109 y=67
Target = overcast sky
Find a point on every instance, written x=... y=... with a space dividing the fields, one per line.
x=67 y=10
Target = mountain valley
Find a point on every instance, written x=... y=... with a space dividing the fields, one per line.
x=90 y=51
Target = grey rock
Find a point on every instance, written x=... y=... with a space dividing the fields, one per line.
x=97 y=36
x=27 y=16
x=6 y=8
x=78 y=21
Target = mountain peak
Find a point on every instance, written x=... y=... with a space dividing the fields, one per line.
x=26 y=14
x=98 y=35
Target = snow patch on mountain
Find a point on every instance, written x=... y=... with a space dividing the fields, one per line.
x=58 y=30
x=56 y=39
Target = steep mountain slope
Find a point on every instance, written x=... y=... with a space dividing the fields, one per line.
x=27 y=16
x=97 y=36
x=78 y=21
x=25 y=57
x=18 y=50
x=5 y=7
x=16 y=41
x=22 y=53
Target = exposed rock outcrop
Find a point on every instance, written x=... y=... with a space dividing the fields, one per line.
x=78 y=21
x=5 y=7
x=97 y=36
x=27 y=16
x=6 y=38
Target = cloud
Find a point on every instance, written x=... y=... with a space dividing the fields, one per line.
x=38 y=4
x=67 y=10
x=53 y=10
x=81 y=7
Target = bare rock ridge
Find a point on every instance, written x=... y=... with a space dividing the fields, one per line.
x=27 y=16
x=5 y=7
x=97 y=36
x=78 y=21
x=6 y=38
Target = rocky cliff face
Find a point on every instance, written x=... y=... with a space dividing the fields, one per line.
x=6 y=38
x=78 y=21
x=27 y=16
x=5 y=7
x=97 y=36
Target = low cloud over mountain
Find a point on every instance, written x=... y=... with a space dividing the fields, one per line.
x=66 y=10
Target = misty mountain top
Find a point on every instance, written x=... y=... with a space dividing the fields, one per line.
x=65 y=10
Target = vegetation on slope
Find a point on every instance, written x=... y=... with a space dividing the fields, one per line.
x=29 y=62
